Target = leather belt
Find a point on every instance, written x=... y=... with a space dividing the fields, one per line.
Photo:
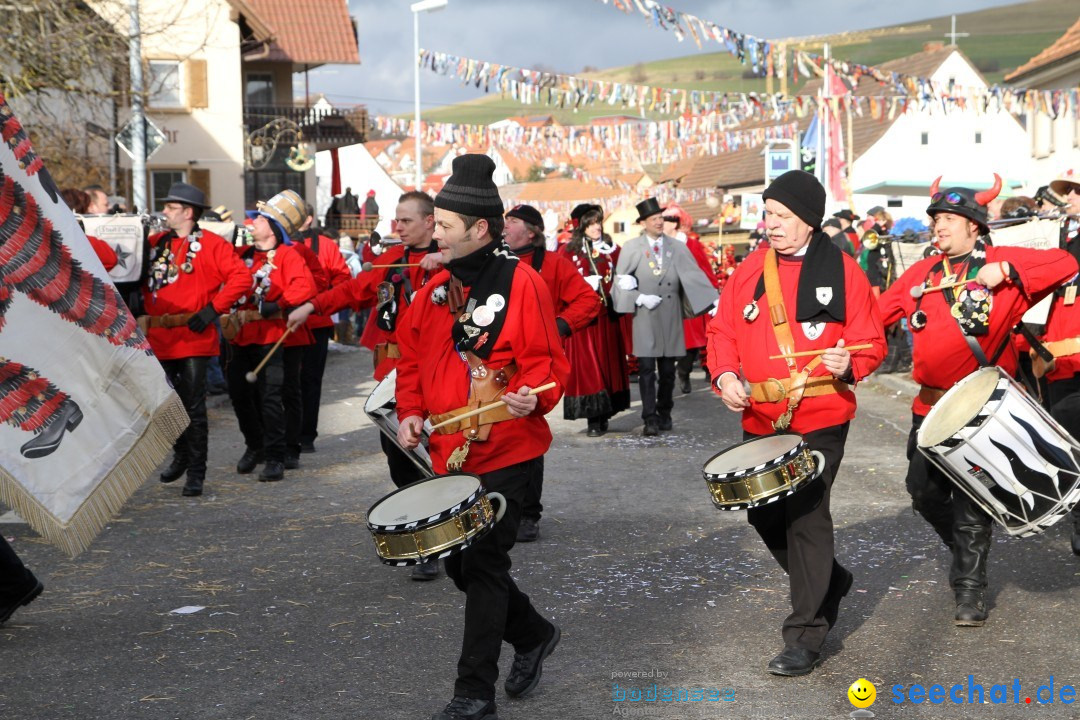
x=499 y=414
x=1063 y=348
x=386 y=350
x=231 y=323
x=930 y=395
x=145 y=322
x=777 y=389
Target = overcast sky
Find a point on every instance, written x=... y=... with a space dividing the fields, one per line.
x=567 y=35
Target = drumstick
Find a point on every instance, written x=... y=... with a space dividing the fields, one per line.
x=808 y=353
x=492 y=406
x=254 y=374
x=369 y=266
x=919 y=290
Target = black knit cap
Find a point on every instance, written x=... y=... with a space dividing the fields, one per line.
x=527 y=213
x=470 y=190
x=801 y=193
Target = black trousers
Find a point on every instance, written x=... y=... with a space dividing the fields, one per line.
x=291 y=398
x=685 y=364
x=402 y=470
x=798 y=531
x=15 y=579
x=188 y=378
x=533 y=508
x=656 y=402
x=313 y=365
x=1064 y=398
x=259 y=406
x=495 y=609
x=962 y=525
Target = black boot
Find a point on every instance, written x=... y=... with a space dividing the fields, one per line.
x=971 y=610
x=971 y=546
x=249 y=461
x=292 y=460
x=177 y=467
x=595 y=428
x=272 y=471
x=684 y=383
x=193 y=487
x=48 y=440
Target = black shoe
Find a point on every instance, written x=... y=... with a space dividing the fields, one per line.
x=272 y=470
x=603 y=425
x=652 y=429
x=971 y=609
x=794 y=661
x=26 y=596
x=176 y=468
x=292 y=462
x=307 y=446
x=249 y=461
x=684 y=383
x=425 y=571
x=665 y=422
x=595 y=428
x=528 y=530
x=192 y=487
x=830 y=609
x=48 y=440
x=528 y=666
x=463 y=708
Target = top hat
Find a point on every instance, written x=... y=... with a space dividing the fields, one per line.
x=187 y=194
x=647 y=208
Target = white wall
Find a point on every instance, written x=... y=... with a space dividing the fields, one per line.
x=361 y=172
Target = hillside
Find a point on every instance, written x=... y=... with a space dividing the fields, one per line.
x=1001 y=39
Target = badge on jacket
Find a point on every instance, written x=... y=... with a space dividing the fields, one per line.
x=824 y=295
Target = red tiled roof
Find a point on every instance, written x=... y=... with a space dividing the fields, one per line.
x=1065 y=46
x=312 y=32
x=564 y=190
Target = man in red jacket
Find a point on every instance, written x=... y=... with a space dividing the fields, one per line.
x=282 y=281
x=194 y=276
x=954 y=333
x=313 y=362
x=1062 y=338
x=801 y=294
x=415 y=221
x=576 y=305
x=482 y=330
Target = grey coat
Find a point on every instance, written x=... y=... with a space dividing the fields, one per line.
x=659 y=332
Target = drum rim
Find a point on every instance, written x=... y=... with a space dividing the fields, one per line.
x=724 y=477
x=432 y=519
x=953 y=391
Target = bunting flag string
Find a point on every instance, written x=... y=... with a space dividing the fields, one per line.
x=626 y=142
x=758 y=52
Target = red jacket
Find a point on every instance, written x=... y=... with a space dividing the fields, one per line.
x=217 y=276
x=105 y=254
x=291 y=285
x=1064 y=323
x=575 y=302
x=433 y=378
x=940 y=355
x=361 y=292
x=735 y=344
x=337 y=272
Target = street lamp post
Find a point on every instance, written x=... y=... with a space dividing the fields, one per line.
x=417 y=8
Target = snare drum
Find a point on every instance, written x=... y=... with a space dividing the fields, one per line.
x=1004 y=451
x=432 y=518
x=761 y=470
x=380 y=407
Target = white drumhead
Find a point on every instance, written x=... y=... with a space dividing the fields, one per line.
x=759 y=451
x=383 y=394
x=957 y=407
x=423 y=500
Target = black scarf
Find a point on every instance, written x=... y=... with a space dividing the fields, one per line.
x=822 y=269
x=489 y=274
x=971 y=308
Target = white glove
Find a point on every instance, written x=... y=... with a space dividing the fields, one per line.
x=593 y=280
x=714 y=308
x=649 y=302
x=627 y=282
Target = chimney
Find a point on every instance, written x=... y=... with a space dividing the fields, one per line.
x=932 y=46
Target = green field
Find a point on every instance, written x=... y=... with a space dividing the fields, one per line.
x=1001 y=39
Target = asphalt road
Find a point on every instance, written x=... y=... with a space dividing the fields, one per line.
x=644 y=576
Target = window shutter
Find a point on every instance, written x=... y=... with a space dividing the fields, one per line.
x=197 y=95
x=200 y=178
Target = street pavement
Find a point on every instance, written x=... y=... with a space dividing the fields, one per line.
x=648 y=581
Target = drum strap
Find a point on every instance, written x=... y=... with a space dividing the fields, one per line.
x=797 y=384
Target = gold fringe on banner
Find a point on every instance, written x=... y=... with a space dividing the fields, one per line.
x=74 y=536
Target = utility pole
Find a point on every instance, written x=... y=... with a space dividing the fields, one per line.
x=138 y=119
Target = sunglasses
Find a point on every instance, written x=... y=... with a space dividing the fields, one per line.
x=671 y=219
x=952 y=198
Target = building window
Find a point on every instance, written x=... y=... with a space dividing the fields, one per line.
x=925 y=140
x=163 y=84
x=160 y=182
x=264 y=184
x=259 y=89
x=978 y=138
x=895 y=202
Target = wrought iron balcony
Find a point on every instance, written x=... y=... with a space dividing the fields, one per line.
x=327 y=128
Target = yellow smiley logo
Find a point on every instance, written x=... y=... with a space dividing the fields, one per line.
x=862 y=693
